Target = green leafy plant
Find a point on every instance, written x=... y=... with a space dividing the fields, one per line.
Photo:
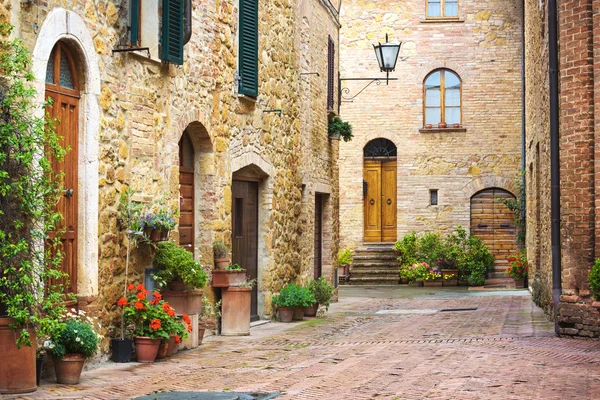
x=345 y=257
x=175 y=263
x=220 y=250
x=517 y=206
x=294 y=296
x=518 y=265
x=235 y=267
x=594 y=279
x=31 y=282
x=249 y=283
x=210 y=311
x=131 y=216
x=321 y=290
x=338 y=127
x=76 y=336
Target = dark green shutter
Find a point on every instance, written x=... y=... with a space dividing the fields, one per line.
x=134 y=22
x=172 y=31
x=248 y=38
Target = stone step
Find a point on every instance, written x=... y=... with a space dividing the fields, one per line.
x=497 y=274
x=375 y=256
x=375 y=272
x=375 y=267
x=375 y=263
x=374 y=281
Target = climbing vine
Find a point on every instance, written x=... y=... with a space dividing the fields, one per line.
x=517 y=206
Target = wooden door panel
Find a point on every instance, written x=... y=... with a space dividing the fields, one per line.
x=388 y=197
x=372 y=201
x=318 y=240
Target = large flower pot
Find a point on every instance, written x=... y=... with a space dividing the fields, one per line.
x=17 y=369
x=185 y=302
x=171 y=346
x=286 y=314
x=415 y=283
x=226 y=278
x=298 y=313
x=162 y=351
x=235 y=314
x=122 y=350
x=146 y=349
x=68 y=369
x=437 y=283
x=311 y=311
x=519 y=283
x=221 y=263
x=450 y=282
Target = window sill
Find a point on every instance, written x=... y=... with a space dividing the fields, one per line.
x=144 y=56
x=247 y=98
x=442 y=130
x=441 y=20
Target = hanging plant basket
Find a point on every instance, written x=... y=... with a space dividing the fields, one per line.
x=338 y=129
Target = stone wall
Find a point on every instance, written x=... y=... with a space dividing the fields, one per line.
x=483 y=46
x=143 y=107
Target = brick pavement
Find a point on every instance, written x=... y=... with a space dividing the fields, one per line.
x=503 y=350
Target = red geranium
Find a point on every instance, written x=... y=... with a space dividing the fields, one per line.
x=140 y=287
x=156 y=297
x=177 y=339
x=139 y=305
x=122 y=301
x=155 y=324
x=131 y=286
x=518 y=265
x=189 y=328
x=187 y=319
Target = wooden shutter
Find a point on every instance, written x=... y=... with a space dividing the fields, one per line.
x=172 y=31
x=134 y=22
x=330 y=74
x=248 y=38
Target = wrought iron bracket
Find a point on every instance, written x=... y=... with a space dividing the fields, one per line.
x=344 y=93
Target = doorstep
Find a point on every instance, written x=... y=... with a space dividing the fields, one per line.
x=260 y=322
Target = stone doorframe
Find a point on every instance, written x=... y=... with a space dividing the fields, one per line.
x=67 y=26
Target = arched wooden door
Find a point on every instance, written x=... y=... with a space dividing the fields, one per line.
x=379 y=191
x=62 y=86
x=493 y=223
x=186 y=192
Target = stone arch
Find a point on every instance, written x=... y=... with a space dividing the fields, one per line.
x=363 y=140
x=488 y=182
x=67 y=26
x=430 y=67
x=254 y=162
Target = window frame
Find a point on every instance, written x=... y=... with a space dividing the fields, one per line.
x=442 y=15
x=442 y=95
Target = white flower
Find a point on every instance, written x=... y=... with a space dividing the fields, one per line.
x=51 y=346
x=74 y=330
x=81 y=342
x=77 y=339
x=69 y=314
x=81 y=312
x=74 y=310
x=47 y=344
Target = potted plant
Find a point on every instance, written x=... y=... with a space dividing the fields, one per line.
x=594 y=281
x=158 y=224
x=293 y=297
x=183 y=276
x=449 y=280
x=285 y=304
x=322 y=292
x=30 y=190
x=417 y=273
x=344 y=261
x=70 y=344
x=337 y=129
x=211 y=312
x=231 y=276
x=221 y=254
x=236 y=304
x=433 y=277
x=517 y=268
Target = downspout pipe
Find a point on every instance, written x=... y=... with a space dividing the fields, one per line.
x=554 y=157
x=523 y=193
x=187 y=20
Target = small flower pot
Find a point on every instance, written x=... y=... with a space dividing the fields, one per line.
x=450 y=282
x=121 y=350
x=404 y=281
x=159 y=235
x=68 y=369
x=162 y=351
x=456 y=125
x=334 y=136
x=221 y=263
x=442 y=125
x=311 y=311
x=226 y=278
x=146 y=349
x=437 y=283
x=298 y=313
x=428 y=126
x=286 y=314
x=519 y=283
x=415 y=283
x=171 y=346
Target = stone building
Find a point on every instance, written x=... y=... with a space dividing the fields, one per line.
x=578 y=61
x=402 y=172
x=232 y=123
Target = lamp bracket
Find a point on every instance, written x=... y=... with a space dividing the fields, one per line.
x=344 y=93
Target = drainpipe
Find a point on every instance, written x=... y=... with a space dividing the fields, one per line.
x=523 y=118
x=554 y=157
x=187 y=19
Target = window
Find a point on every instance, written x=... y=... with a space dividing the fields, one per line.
x=330 y=74
x=442 y=98
x=248 y=48
x=433 y=197
x=442 y=8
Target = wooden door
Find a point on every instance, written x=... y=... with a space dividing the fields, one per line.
x=493 y=223
x=318 y=242
x=380 y=201
x=245 y=233
x=62 y=87
x=186 y=193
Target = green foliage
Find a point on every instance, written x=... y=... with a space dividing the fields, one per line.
x=338 y=126
x=345 y=257
x=294 y=296
x=161 y=218
x=517 y=206
x=518 y=265
x=235 y=267
x=220 y=250
x=76 y=337
x=210 y=310
x=594 y=279
x=175 y=262
x=29 y=192
x=321 y=290
x=130 y=216
x=249 y=283
x=151 y=318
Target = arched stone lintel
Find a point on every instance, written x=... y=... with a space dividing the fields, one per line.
x=249 y=159
x=488 y=182
x=426 y=69
x=188 y=118
x=365 y=139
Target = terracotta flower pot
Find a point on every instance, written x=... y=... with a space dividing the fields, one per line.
x=519 y=283
x=177 y=286
x=428 y=126
x=200 y=335
x=404 y=281
x=311 y=311
x=432 y=283
x=298 y=313
x=450 y=282
x=171 y=346
x=456 y=125
x=442 y=125
x=286 y=314
x=415 y=283
x=162 y=351
x=221 y=263
x=17 y=369
x=235 y=314
x=185 y=302
x=68 y=369
x=146 y=348
x=226 y=278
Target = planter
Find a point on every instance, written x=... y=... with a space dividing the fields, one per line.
x=159 y=236
x=200 y=335
x=311 y=311
x=286 y=314
x=39 y=367
x=146 y=349
x=298 y=313
x=17 y=369
x=456 y=125
x=68 y=369
x=451 y=282
x=442 y=125
x=437 y=283
x=185 y=302
x=235 y=314
x=415 y=283
x=334 y=136
x=226 y=278
x=221 y=263
x=404 y=281
x=519 y=283
x=121 y=350
x=177 y=286
x=428 y=126
x=596 y=305
x=162 y=351
x=171 y=347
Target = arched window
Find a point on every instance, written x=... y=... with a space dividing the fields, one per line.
x=380 y=148
x=442 y=98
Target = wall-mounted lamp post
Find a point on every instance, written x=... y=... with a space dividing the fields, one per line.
x=387 y=57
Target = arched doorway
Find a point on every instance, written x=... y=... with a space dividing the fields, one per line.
x=63 y=88
x=493 y=223
x=379 y=191
x=186 y=192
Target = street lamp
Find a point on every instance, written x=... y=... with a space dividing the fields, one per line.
x=387 y=57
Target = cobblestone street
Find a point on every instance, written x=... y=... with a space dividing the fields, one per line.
x=388 y=343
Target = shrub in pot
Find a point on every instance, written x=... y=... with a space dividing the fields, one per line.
x=221 y=254
x=337 y=128
x=157 y=224
x=292 y=297
x=518 y=267
x=344 y=261
x=233 y=275
x=322 y=292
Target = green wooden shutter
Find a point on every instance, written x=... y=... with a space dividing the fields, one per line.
x=248 y=57
x=172 y=31
x=134 y=22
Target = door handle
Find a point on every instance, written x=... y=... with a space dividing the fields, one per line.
x=183 y=235
x=389 y=202
x=482 y=226
x=372 y=202
x=68 y=193
x=504 y=226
